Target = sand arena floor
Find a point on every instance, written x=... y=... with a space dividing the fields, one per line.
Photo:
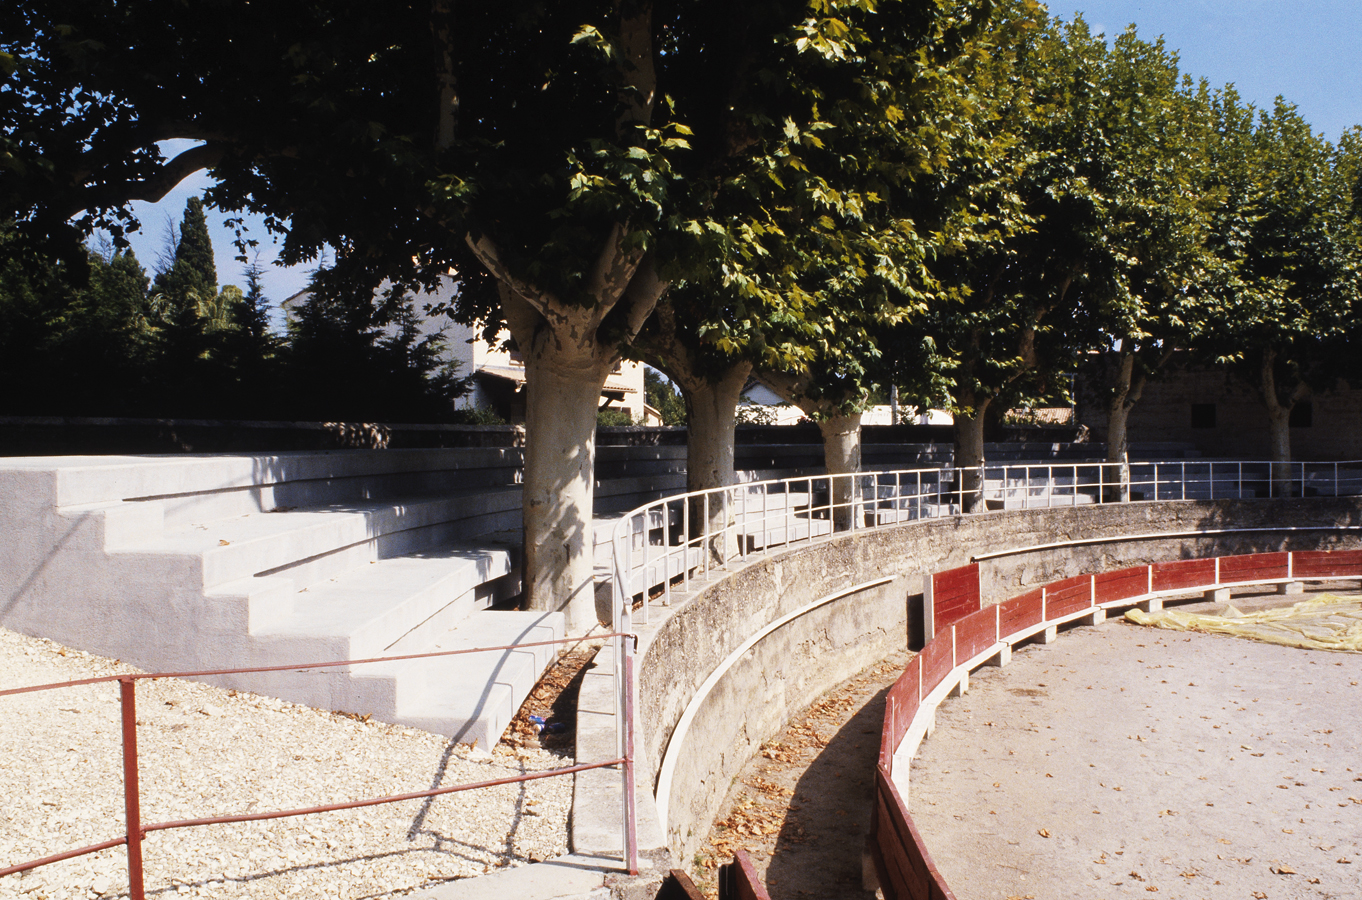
x=1123 y=761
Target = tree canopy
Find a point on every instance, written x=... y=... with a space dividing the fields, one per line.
x=841 y=194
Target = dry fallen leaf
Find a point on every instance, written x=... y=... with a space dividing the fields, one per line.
x=1283 y=870
x=1044 y=832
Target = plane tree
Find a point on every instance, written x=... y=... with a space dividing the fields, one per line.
x=1147 y=156
x=1023 y=217
x=1287 y=225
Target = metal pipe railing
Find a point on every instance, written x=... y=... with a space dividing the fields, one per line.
x=876 y=498
x=136 y=830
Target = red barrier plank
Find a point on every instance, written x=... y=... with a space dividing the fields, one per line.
x=902 y=701
x=1021 y=612
x=678 y=886
x=1183 y=573
x=1121 y=584
x=955 y=594
x=1068 y=596
x=1252 y=567
x=937 y=661
x=738 y=880
x=907 y=875
x=975 y=633
x=901 y=826
x=1327 y=564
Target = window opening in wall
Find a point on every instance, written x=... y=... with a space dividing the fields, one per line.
x=1203 y=415
x=1302 y=415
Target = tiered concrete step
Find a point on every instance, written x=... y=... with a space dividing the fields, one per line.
x=246 y=561
x=470 y=697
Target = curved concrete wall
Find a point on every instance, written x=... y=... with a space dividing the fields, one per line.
x=795 y=664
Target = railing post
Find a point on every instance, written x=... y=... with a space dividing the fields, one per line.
x=630 y=802
x=685 y=543
x=132 y=804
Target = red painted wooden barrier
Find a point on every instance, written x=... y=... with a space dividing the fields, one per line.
x=1183 y=573
x=1068 y=596
x=955 y=594
x=905 y=869
x=738 y=880
x=678 y=886
x=975 y=633
x=1253 y=567
x=1121 y=584
x=1022 y=611
x=901 y=703
x=1326 y=564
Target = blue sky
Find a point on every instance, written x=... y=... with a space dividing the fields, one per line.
x=1309 y=51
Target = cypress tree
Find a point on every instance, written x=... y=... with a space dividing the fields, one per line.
x=194 y=271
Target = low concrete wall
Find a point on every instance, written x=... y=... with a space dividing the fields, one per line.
x=810 y=654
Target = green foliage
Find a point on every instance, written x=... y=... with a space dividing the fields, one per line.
x=476 y=415
x=99 y=343
x=663 y=397
x=192 y=277
x=613 y=418
x=751 y=414
x=1285 y=225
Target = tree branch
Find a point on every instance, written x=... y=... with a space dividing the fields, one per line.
x=442 y=28
x=485 y=249
x=612 y=272
x=643 y=293
x=637 y=74
x=153 y=189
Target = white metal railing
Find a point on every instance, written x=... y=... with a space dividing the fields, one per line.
x=663 y=545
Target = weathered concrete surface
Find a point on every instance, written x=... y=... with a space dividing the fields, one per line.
x=797 y=663
x=1121 y=525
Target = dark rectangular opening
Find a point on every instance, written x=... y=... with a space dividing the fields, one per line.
x=1302 y=415
x=1203 y=415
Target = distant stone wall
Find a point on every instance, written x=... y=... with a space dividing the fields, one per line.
x=1175 y=407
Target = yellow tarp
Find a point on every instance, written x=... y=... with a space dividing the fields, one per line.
x=1325 y=622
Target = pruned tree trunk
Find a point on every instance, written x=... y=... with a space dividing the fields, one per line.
x=1279 y=423
x=842 y=460
x=969 y=454
x=1124 y=395
x=566 y=364
x=841 y=439
x=712 y=412
x=561 y=399
x=711 y=409
x=711 y=393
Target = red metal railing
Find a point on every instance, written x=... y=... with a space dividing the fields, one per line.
x=136 y=830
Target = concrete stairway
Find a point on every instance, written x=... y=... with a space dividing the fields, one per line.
x=189 y=563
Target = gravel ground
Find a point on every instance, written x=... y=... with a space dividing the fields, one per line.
x=1130 y=762
x=206 y=752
